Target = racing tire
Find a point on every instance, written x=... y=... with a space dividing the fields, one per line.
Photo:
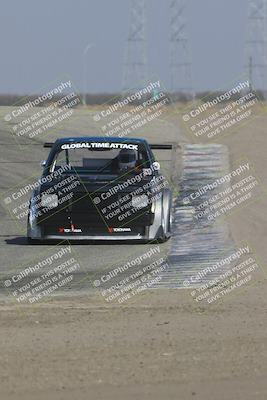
x=165 y=225
x=29 y=239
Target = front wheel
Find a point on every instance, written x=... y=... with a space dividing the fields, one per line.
x=30 y=240
x=165 y=223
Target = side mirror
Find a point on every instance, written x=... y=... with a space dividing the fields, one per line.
x=43 y=163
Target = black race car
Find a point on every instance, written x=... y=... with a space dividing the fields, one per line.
x=99 y=188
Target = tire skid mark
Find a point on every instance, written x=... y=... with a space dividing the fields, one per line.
x=197 y=243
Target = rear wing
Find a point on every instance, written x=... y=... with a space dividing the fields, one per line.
x=48 y=145
x=164 y=146
x=161 y=146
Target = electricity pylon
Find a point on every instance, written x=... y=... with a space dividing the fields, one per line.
x=135 y=65
x=256 y=45
x=180 y=63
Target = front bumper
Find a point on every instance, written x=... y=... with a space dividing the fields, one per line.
x=146 y=227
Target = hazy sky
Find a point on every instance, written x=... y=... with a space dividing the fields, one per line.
x=41 y=40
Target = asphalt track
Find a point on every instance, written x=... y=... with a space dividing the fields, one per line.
x=192 y=245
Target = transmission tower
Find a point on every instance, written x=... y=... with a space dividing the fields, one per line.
x=180 y=64
x=135 y=65
x=256 y=45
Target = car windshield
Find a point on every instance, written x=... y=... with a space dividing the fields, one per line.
x=101 y=161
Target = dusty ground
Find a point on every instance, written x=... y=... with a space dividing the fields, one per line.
x=160 y=345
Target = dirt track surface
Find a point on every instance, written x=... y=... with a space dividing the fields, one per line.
x=162 y=344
